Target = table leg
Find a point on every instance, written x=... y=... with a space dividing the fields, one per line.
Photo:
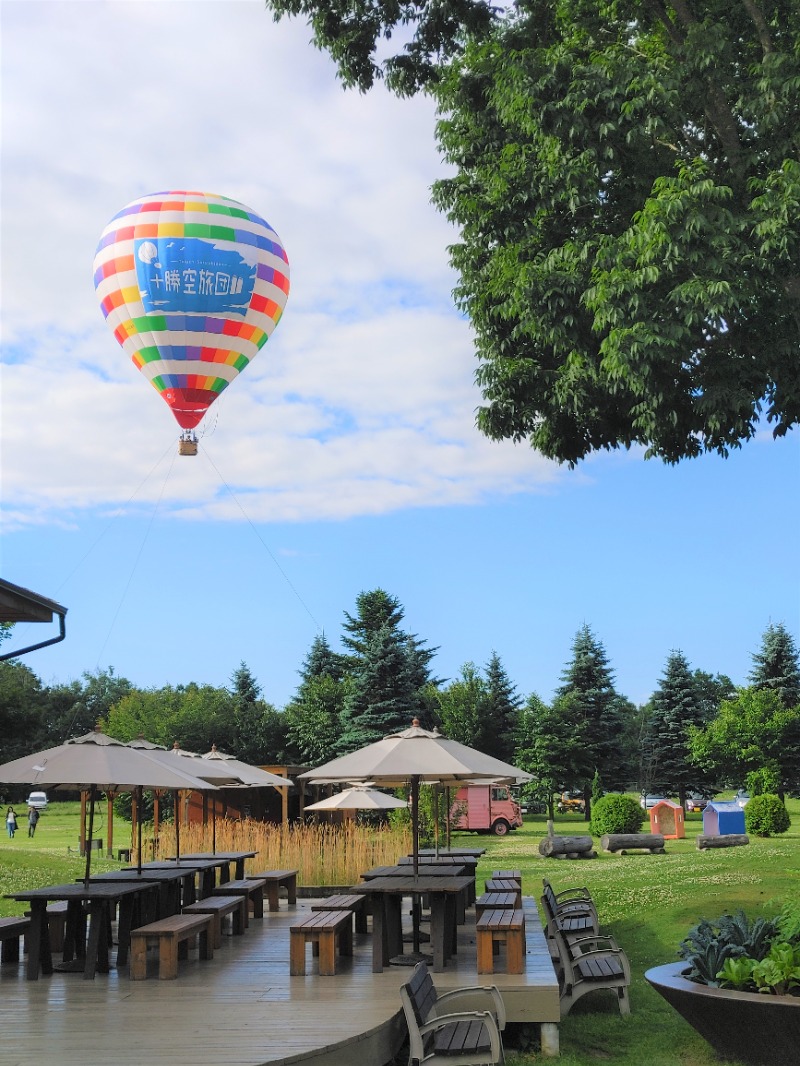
x=126 y=906
x=439 y=932
x=36 y=939
x=380 y=951
x=393 y=925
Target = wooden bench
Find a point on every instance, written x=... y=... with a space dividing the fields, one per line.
x=172 y=936
x=357 y=905
x=11 y=929
x=329 y=932
x=589 y=964
x=446 y=1028
x=576 y=915
x=219 y=907
x=501 y=926
x=274 y=879
x=624 y=842
x=251 y=888
x=504 y=884
x=493 y=900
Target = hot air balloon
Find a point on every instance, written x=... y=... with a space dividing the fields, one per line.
x=192 y=284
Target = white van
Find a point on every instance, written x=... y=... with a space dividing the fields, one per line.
x=37 y=800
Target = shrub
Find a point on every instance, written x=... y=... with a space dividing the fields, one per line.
x=616 y=814
x=765 y=815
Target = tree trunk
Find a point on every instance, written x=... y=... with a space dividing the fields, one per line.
x=622 y=841
x=565 y=845
x=730 y=840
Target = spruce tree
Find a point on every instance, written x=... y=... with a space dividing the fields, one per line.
x=676 y=705
x=501 y=712
x=776 y=665
x=383 y=698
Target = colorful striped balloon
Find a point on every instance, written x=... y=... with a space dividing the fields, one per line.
x=192 y=285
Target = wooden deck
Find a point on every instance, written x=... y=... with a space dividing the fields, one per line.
x=243 y=1009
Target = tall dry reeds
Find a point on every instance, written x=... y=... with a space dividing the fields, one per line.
x=322 y=854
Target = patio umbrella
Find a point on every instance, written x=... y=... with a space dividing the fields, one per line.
x=249 y=777
x=96 y=762
x=192 y=763
x=412 y=757
x=358 y=797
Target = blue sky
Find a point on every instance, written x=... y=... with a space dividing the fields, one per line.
x=346 y=457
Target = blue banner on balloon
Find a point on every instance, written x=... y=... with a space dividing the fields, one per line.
x=192 y=276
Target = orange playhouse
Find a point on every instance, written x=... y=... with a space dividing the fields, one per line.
x=666 y=818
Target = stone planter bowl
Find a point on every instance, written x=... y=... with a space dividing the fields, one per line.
x=752 y=1028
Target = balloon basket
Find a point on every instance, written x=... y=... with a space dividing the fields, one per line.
x=187 y=445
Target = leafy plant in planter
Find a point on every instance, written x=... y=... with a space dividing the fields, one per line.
x=762 y=955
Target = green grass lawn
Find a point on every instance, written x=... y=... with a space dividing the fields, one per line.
x=648 y=902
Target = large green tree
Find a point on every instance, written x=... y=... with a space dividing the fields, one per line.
x=627 y=187
x=500 y=720
x=461 y=706
x=776 y=665
x=676 y=705
x=314 y=716
x=753 y=732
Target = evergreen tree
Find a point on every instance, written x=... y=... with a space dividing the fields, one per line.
x=548 y=746
x=776 y=665
x=500 y=712
x=321 y=661
x=374 y=611
x=383 y=698
x=675 y=707
x=313 y=718
x=461 y=707
x=598 y=717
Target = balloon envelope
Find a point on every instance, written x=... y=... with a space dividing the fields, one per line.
x=192 y=285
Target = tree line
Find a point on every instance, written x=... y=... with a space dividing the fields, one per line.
x=697 y=732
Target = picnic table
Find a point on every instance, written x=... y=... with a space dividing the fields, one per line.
x=474 y=852
x=170 y=884
x=386 y=895
x=237 y=857
x=98 y=896
x=205 y=868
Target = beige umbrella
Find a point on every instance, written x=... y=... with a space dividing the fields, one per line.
x=358 y=797
x=414 y=756
x=98 y=762
x=249 y=777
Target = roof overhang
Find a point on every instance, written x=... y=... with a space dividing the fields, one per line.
x=19 y=604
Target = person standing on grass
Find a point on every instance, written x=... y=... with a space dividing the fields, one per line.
x=11 y=822
x=33 y=818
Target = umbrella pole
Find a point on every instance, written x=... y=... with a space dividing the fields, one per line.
x=139 y=829
x=88 y=843
x=214 y=825
x=415 y=915
x=436 y=820
x=447 y=816
x=176 y=815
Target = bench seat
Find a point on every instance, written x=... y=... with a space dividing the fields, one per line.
x=251 y=888
x=11 y=929
x=171 y=936
x=219 y=907
x=329 y=932
x=356 y=904
x=274 y=879
x=496 y=927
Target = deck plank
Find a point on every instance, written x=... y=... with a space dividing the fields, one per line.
x=243 y=1009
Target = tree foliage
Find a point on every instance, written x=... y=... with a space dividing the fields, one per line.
x=776 y=665
x=627 y=188
x=676 y=705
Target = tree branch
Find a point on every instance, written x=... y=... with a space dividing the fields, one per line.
x=760 y=23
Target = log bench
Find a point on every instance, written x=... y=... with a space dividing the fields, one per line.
x=501 y=926
x=11 y=929
x=357 y=905
x=251 y=889
x=729 y=840
x=441 y=1030
x=329 y=932
x=274 y=879
x=171 y=936
x=625 y=842
x=219 y=907
x=571 y=847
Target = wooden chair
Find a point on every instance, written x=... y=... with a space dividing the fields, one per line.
x=589 y=964
x=574 y=915
x=441 y=1030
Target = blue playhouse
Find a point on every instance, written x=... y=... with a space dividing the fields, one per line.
x=723 y=818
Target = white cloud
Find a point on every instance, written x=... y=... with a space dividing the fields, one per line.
x=362 y=402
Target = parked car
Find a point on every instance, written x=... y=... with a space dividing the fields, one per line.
x=649 y=801
x=742 y=797
x=37 y=800
x=696 y=801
